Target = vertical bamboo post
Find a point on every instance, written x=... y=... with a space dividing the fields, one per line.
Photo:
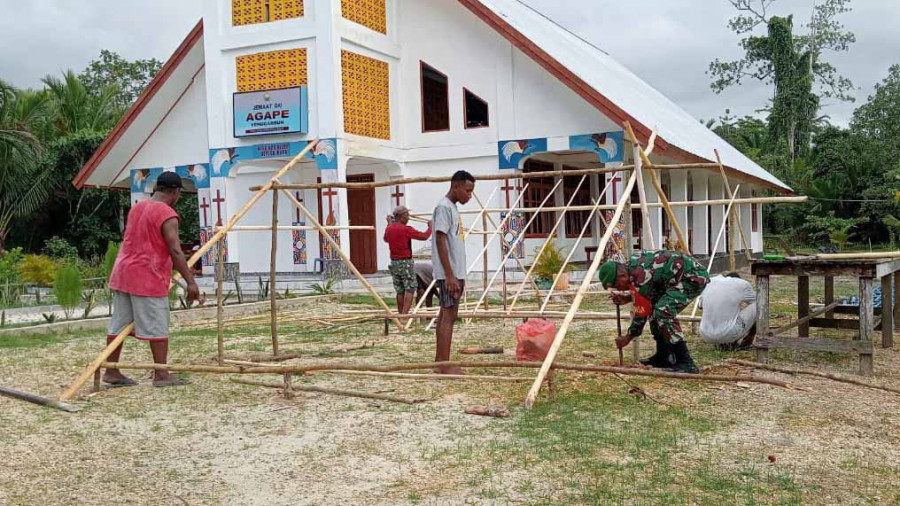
x=368 y=286
x=579 y=297
x=484 y=256
x=288 y=386
x=638 y=164
x=93 y=366
x=96 y=380
x=730 y=195
x=220 y=300
x=273 y=272
x=712 y=256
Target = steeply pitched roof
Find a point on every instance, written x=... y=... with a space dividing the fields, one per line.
x=613 y=89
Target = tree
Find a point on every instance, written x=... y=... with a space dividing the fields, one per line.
x=80 y=109
x=23 y=186
x=879 y=118
x=129 y=77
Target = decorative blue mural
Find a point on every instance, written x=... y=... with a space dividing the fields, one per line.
x=198 y=173
x=324 y=153
x=609 y=146
x=512 y=152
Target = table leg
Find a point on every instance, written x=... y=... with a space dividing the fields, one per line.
x=829 y=294
x=866 y=321
x=762 y=316
x=803 y=304
x=896 y=306
x=887 y=313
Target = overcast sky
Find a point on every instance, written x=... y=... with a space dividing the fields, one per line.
x=669 y=43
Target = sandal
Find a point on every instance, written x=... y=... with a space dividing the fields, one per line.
x=119 y=383
x=174 y=381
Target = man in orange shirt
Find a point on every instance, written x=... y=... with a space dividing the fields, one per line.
x=141 y=275
x=399 y=236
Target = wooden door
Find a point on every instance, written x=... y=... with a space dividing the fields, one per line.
x=361 y=207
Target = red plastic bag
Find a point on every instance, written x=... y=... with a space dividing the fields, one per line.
x=533 y=339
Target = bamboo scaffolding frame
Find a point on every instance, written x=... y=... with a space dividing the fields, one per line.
x=501 y=315
x=556 y=226
x=268 y=228
x=712 y=256
x=483 y=177
x=93 y=366
x=647 y=225
x=579 y=297
x=740 y=226
x=521 y=238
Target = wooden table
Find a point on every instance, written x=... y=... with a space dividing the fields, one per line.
x=866 y=271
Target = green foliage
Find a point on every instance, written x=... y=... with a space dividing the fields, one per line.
x=326 y=288
x=60 y=249
x=128 y=78
x=9 y=265
x=37 y=269
x=828 y=228
x=77 y=108
x=67 y=287
x=109 y=258
x=550 y=262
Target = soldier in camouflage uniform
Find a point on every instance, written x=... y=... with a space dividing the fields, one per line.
x=661 y=284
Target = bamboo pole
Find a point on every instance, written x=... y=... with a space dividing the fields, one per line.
x=499 y=314
x=482 y=177
x=521 y=237
x=550 y=237
x=484 y=255
x=657 y=205
x=712 y=257
x=220 y=302
x=273 y=273
x=805 y=319
x=730 y=195
x=430 y=377
x=421 y=302
x=267 y=228
x=859 y=256
x=37 y=399
x=93 y=366
x=638 y=169
x=827 y=375
x=664 y=200
x=368 y=286
x=296 y=369
x=331 y=391
x=576 y=304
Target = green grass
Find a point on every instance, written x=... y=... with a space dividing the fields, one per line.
x=34 y=340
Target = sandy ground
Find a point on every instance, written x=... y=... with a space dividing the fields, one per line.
x=216 y=442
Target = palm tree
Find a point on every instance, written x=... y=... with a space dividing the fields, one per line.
x=23 y=185
x=77 y=108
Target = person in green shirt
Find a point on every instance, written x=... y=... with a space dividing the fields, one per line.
x=660 y=284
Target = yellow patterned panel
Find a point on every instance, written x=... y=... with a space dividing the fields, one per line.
x=248 y=12
x=367 y=95
x=272 y=70
x=285 y=9
x=371 y=13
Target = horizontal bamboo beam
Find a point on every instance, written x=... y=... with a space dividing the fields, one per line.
x=268 y=228
x=332 y=391
x=515 y=315
x=484 y=177
x=692 y=203
x=828 y=375
x=431 y=377
x=858 y=256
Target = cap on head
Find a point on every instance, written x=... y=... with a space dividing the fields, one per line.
x=169 y=180
x=400 y=210
x=608 y=272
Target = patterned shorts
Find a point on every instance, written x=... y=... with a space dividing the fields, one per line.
x=446 y=298
x=403 y=275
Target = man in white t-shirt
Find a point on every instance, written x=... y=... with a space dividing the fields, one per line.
x=449 y=259
x=729 y=311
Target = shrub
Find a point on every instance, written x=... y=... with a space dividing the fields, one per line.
x=37 y=269
x=109 y=259
x=9 y=263
x=67 y=287
x=549 y=263
x=60 y=249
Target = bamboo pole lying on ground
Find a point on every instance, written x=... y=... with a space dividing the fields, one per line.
x=432 y=377
x=576 y=304
x=331 y=391
x=37 y=399
x=482 y=177
x=828 y=375
x=115 y=343
x=296 y=369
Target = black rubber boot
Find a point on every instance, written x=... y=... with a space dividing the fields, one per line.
x=683 y=360
x=663 y=358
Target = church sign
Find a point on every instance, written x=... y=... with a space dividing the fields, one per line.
x=270 y=112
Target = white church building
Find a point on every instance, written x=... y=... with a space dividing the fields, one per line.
x=407 y=88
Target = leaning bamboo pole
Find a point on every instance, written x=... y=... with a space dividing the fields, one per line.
x=511 y=248
x=730 y=195
x=547 y=242
x=362 y=279
x=647 y=226
x=576 y=304
x=325 y=390
x=712 y=256
x=93 y=366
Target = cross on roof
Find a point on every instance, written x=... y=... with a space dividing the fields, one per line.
x=219 y=200
x=397 y=195
x=204 y=205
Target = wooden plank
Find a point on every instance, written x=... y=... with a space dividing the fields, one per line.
x=866 y=323
x=834 y=323
x=803 y=304
x=896 y=306
x=788 y=268
x=886 y=268
x=802 y=321
x=814 y=344
x=887 y=312
x=762 y=315
x=829 y=294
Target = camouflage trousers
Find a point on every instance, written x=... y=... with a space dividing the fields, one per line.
x=663 y=320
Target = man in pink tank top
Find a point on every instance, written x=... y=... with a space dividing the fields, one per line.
x=141 y=275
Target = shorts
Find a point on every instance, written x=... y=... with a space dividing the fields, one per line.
x=149 y=314
x=444 y=296
x=403 y=274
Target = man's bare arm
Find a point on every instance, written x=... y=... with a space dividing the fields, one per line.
x=170 y=235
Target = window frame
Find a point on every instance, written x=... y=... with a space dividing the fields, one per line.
x=574 y=216
x=487 y=107
x=422 y=66
x=544 y=219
